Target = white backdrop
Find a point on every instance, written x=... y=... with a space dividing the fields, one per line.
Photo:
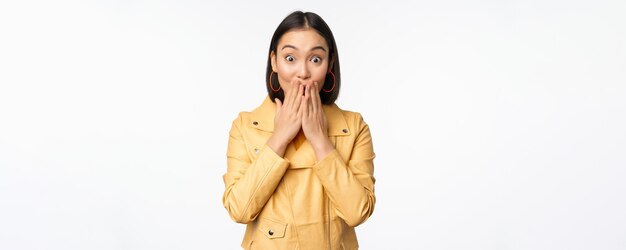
x=497 y=124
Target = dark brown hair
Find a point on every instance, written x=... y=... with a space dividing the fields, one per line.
x=299 y=20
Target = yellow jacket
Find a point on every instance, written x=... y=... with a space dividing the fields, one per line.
x=296 y=202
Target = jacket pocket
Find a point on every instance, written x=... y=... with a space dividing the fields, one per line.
x=272 y=228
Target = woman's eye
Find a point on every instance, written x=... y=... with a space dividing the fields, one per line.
x=290 y=58
x=316 y=59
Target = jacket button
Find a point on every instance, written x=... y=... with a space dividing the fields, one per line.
x=256 y=150
x=255 y=123
x=270 y=232
x=344 y=130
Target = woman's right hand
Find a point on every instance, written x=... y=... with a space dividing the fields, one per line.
x=288 y=119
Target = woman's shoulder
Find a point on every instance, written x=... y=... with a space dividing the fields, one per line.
x=262 y=117
x=245 y=117
x=351 y=117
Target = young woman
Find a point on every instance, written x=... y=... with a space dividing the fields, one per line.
x=300 y=170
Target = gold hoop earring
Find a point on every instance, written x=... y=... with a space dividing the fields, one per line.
x=271 y=85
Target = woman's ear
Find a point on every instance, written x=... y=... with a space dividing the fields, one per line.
x=273 y=60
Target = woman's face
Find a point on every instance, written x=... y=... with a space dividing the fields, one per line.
x=301 y=57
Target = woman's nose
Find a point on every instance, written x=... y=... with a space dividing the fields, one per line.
x=303 y=72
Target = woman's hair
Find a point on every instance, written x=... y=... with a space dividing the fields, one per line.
x=299 y=20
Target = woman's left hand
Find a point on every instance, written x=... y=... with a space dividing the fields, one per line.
x=314 y=123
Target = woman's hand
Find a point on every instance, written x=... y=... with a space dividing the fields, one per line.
x=288 y=119
x=314 y=123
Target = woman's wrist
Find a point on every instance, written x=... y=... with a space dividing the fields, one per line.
x=322 y=148
x=277 y=144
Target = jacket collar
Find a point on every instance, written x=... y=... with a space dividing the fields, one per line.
x=263 y=118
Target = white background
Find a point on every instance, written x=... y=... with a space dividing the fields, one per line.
x=497 y=124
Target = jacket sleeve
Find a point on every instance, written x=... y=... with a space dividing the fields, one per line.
x=350 y=185
x=249 y=183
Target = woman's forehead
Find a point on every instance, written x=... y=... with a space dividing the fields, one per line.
x=302 y=39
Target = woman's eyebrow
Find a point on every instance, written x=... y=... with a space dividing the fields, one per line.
x=318 y=47
x=289 y=46
x=294 y=47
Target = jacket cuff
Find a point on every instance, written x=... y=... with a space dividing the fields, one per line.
x=267 y=153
